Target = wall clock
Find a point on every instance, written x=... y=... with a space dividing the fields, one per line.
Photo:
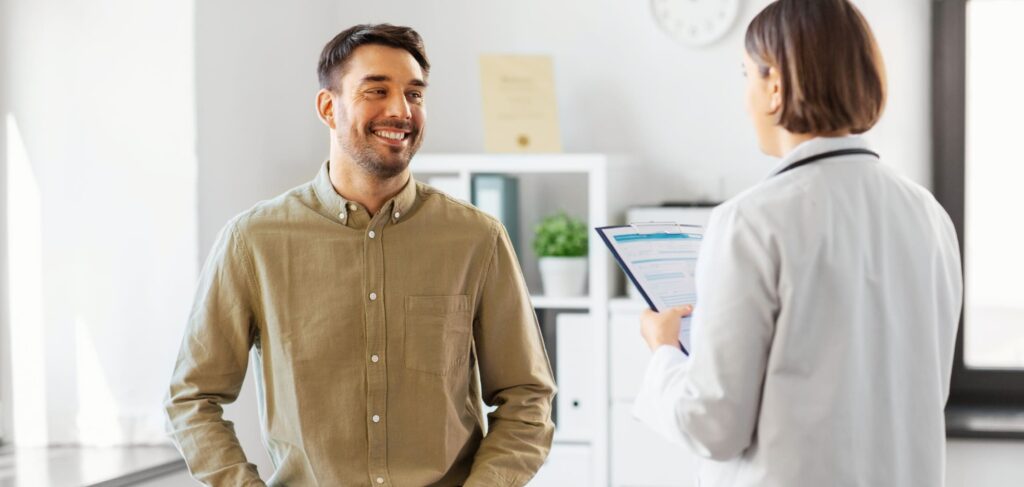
x=695 y=22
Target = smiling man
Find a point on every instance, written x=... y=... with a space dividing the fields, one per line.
x=381 y=311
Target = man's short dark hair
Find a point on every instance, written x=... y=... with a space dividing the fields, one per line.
x=336 y=53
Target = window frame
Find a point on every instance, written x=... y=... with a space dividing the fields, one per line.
x=6 y=392
x=977 y=388
x=6 y=367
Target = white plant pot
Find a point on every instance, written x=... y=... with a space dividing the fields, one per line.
x=563 y=276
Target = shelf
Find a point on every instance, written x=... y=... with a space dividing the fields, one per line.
x=625 y=304
x=546 y=302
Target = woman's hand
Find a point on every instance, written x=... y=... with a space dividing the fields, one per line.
x=663 y=328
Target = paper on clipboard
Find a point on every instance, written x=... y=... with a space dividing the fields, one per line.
x=661 y=260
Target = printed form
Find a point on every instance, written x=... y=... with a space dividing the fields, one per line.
x=661 y=261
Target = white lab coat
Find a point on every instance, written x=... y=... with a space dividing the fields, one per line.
x=828 y=299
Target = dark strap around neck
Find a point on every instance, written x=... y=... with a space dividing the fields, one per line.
x=825 y=155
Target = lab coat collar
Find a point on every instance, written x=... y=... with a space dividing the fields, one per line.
x=818 y=145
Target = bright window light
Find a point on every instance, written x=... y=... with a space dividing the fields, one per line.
x=25 y=268
x=993 y=260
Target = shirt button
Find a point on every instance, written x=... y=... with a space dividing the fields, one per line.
x=372 y=234
x=373 y=296
x=380 y=480
x=376 y=419
x=397 y=214
x=351 y=207
x=341 y=215
x=374 y=358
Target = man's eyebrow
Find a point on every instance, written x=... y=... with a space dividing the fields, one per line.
x=378 y=78
x=375 y=78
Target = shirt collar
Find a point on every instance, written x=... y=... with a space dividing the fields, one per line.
x=332 y=201
x=337 y=206
x=818 y=145
x=404 y=200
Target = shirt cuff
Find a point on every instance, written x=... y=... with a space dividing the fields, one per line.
x=652 y=407
x=665 y=356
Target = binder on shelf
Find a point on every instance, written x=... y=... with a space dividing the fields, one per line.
x=498 y=195
x=574 y=370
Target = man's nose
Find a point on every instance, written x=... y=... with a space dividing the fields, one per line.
x=398 y=106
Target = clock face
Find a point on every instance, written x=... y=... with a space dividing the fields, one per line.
x=695 y=22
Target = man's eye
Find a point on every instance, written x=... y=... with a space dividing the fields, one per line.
x=416 y=95
x=376 y=91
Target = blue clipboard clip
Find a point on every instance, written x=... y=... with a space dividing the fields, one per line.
x=647 y=228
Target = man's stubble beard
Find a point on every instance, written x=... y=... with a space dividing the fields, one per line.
x=370 y=160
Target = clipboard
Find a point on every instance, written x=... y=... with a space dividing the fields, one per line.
x=659 y=258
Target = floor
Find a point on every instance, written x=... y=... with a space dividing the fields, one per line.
x=970 y=463
x=93 y=467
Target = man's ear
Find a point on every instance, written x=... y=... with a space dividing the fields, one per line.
x=325 y=107
x=774 y=87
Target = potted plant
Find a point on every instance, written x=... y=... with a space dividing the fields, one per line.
x=561 y=246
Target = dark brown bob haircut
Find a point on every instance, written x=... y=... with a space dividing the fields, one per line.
x=831 y=70
x=337 y=52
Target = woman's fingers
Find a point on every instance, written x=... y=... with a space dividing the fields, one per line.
x=683 y=310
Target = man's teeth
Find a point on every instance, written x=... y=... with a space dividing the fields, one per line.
x=390 y=135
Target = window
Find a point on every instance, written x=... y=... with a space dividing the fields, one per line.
x=978 y=172
x=993 y=262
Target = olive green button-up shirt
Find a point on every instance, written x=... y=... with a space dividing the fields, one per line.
x=375 y=337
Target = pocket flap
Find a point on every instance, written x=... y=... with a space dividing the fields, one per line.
x=437 y=304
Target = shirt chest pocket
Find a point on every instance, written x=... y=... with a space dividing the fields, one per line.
x=437 y=333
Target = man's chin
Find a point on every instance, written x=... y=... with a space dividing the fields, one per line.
x=395 y=166
x=387 y=166
x=396 y=157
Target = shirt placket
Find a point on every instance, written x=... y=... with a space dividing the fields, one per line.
x=376 y=336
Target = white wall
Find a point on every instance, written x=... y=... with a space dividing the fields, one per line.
x=258 y=134
x=101 y=93
x=623 y=86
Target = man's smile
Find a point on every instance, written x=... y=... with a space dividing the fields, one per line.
x=391 y=136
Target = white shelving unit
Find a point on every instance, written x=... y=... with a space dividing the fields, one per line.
x=562 y=180
x=545 y=302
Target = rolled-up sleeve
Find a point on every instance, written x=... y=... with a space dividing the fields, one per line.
x=515 y=375
x=211 y=366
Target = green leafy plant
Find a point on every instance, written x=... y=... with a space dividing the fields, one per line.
x=560 y=235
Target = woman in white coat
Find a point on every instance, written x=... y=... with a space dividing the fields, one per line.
x=828 y=295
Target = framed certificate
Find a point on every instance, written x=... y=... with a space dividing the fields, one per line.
x=519 y=104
